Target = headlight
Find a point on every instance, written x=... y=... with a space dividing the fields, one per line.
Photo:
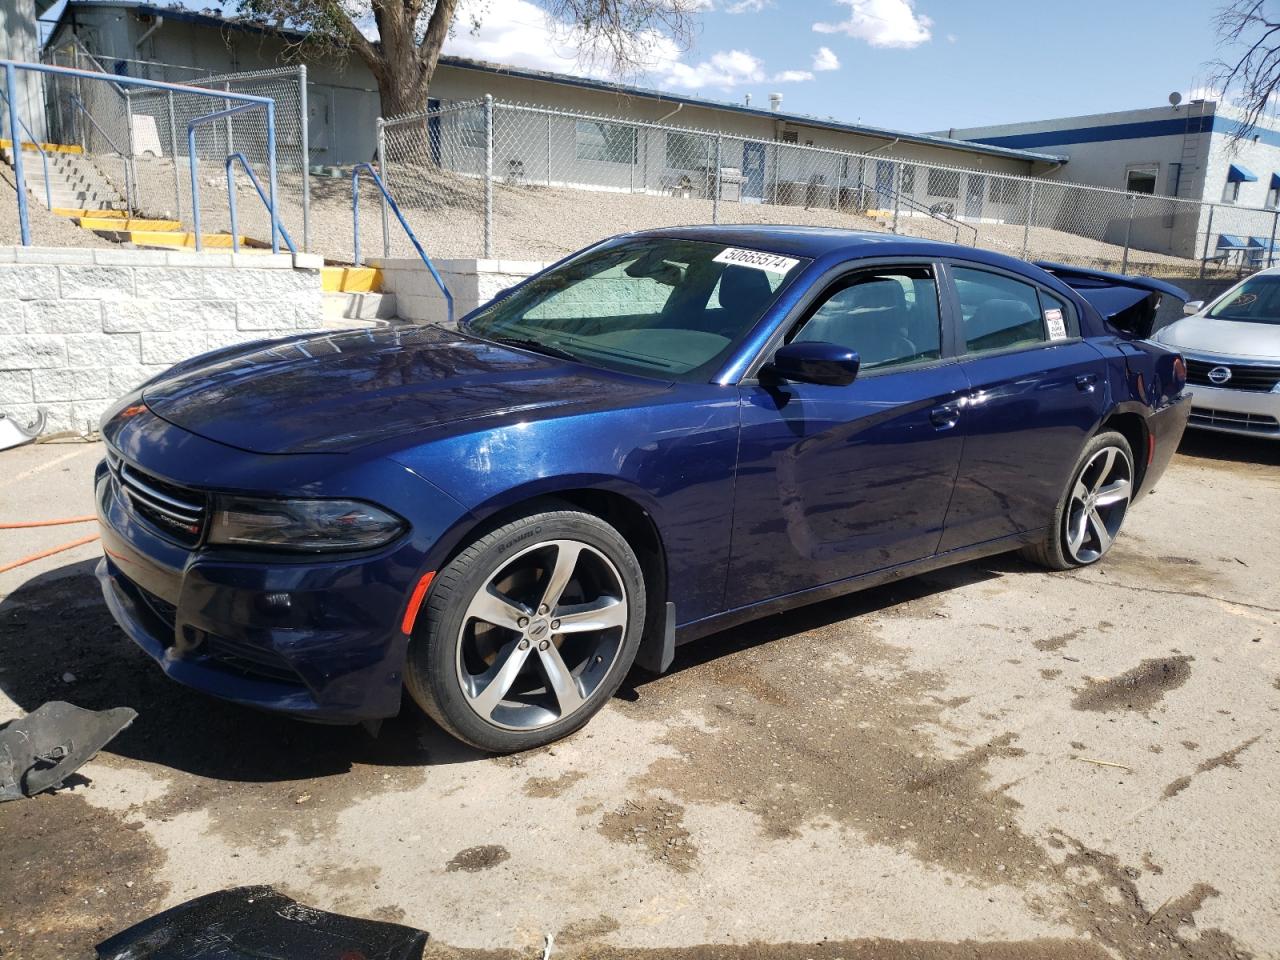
x=310 y=525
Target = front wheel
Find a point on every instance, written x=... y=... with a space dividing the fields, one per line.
x=529 y=631
x=1092 y=510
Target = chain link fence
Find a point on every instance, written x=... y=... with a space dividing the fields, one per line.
x=138 y=139
x=488 y=178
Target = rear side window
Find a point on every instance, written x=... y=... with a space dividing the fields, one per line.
x=890 y=317
x=997 y=312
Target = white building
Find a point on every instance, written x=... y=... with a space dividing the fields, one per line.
x=1183 y=151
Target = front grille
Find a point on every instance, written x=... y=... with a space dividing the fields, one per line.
x=175 y=511
x=1230 y=420
x=1243 y=376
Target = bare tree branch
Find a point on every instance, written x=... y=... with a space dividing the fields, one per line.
x=400 y=40
x=1248 y=77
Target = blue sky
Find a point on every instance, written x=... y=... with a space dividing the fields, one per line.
x=922 y=65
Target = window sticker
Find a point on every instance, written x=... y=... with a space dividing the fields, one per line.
x=1057 y=326
x=771 y=262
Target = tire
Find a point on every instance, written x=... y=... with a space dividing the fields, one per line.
x=494 y=661
x=1093 y=507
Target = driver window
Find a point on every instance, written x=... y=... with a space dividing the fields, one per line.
x=889 y=316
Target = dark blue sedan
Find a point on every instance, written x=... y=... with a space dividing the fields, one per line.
x=661 y=436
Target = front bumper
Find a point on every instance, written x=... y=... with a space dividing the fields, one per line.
x=317 y=638
x=1244 y=412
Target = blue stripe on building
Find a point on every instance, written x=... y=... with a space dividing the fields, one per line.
x=1114 y=131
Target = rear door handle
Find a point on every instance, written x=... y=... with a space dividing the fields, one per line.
x=945 y=417
x=1087 y=382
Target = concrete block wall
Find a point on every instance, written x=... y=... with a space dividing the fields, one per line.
x=472 y=282
x=81 y=327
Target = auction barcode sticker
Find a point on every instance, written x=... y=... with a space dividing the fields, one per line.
x=771 y=262
x=1057 y=326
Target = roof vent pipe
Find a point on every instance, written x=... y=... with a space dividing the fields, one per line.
x=775 y=102
x=747 y=98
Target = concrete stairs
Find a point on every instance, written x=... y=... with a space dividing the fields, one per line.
x=75 y=182
x=353 y=297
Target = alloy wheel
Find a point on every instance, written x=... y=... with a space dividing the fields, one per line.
x=1099 y=502
x=541 y=634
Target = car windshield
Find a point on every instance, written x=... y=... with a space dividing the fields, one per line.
x=656 y=306
x=1256 y=301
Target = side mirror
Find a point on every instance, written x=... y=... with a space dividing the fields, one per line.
x=1192 y=307
x=817 y=362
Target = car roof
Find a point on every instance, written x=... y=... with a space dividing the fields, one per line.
x=835 y=244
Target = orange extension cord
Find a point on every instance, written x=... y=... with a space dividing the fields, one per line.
x=51 y=551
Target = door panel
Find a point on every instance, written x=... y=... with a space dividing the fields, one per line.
x=838 y=481
x=1024 y=422
x=753 y=162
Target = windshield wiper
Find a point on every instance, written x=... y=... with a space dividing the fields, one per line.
x=537 y=346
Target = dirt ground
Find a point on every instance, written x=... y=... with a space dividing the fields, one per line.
x=988 y=761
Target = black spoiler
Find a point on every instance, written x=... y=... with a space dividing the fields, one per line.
x=1129 y=303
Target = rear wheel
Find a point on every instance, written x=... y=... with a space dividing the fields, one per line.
x=1093 y=508
x=529 y=631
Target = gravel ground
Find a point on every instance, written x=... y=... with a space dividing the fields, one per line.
x=984 y=762
x=540 y=223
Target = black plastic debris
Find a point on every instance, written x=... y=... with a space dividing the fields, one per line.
x=258 y=923
x=39 y=751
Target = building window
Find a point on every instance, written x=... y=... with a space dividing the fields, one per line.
x=944 y=183
x=688 y=151
x=1231 y=192
x=1273 y=197
x=908 y=179
x=1005 y=191
x=1142 y=180
x=607 y=142
x=470 y=127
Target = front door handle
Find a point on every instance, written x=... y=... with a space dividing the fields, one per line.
x=1087 y=382
x=945 y=417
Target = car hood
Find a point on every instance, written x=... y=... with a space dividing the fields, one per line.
x=1225 y=338
x=332 y=393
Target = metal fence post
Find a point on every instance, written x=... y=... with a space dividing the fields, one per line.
x=1128 y=232
x=382 y=172
x=129 y=170
x=271 y=172
x=715 y=197
x=488 y=176
x=226 y=105
x=173 y=153
x=897 y=193
x=304 y=132
x=15 y=138
x=548 y=149
x=1208 y=232
x=1271 y=250
x=1031 y=209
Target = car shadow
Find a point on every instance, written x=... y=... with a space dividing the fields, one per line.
x=1230 y=447
x=818 y=615
x=59 y=642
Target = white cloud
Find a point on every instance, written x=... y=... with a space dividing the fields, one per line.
x=747 y=6
x=882 y=23
x=792 y=76
x=726 y=69
x=825 y=59
x=521 y=34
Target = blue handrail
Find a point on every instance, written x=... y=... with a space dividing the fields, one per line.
x=271 y=165
x=11 y=68
x=231 y=200
x=44 y=157
x=128 y=176
x=395 y=208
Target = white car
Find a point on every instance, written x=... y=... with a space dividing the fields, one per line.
x=1232 y=351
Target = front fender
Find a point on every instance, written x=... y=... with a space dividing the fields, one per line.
x=676 y=461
